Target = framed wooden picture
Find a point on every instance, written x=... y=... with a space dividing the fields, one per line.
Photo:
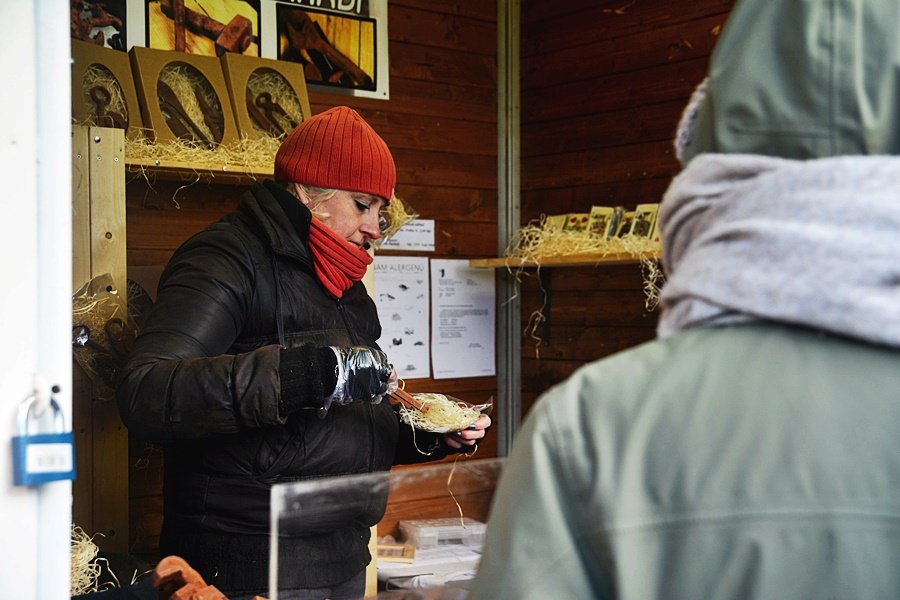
x=268 y=97
x=555 y=222
x=599 y=221
x=577 y=222
x=625 y=223
x=644 y=220
x=183 y=96
x=103 y=91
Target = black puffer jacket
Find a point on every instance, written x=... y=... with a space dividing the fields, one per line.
x=207 y=379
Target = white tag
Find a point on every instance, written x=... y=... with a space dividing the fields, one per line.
x=48 y=458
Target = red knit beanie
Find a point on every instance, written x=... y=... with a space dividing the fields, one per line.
x=337 y=149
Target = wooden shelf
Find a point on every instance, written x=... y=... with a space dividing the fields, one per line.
x=575 y=260
x=170 y=170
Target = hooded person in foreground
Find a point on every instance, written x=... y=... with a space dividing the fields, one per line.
x=753 y=449
x=259 y=365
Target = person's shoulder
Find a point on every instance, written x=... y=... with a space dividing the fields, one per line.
x=230 y=233
x=617 y=386
x=633 y=368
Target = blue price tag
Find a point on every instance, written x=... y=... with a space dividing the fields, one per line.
x=42 y=458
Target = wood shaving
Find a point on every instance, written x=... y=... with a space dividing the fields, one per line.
x=398 y=214
x=653 y=278
x=619 y=11
x=538 y=240
x=443 y=415
x=256 y=155
x=85 y=570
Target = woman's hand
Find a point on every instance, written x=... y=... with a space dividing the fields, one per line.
x=470 y=435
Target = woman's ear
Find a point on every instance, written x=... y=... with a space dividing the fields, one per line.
x=298 y=191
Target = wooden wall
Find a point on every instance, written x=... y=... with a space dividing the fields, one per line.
x=603 y=86
x=440 y=124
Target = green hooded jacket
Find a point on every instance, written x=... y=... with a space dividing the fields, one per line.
x=846 y=101
x=758 y=462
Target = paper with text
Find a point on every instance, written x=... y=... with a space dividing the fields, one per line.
x=462 y=320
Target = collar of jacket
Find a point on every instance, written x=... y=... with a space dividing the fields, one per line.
x=282 y=219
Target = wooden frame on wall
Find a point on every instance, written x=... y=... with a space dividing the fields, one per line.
x=103 y=91
x=258 y=87
x=171 y=118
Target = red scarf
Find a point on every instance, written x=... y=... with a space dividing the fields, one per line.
x=337 y=262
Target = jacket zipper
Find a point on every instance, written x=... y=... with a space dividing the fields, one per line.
x=369 y=407
x=352 y=333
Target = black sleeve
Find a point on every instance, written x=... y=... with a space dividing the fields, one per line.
x=179 y=381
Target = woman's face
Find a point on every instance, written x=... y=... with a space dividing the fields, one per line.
x=354 y=216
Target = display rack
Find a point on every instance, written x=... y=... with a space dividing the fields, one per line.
x=574 y=260
x=171 y=170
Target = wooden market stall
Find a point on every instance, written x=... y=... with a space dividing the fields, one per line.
x=602 y=87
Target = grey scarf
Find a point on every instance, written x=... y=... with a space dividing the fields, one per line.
x=814 y=243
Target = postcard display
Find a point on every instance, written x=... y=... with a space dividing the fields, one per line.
x=166 y=95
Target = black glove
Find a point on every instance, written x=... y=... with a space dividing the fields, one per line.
x=362 y=376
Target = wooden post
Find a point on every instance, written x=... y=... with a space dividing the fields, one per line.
x=372 y=569
x=100 y=493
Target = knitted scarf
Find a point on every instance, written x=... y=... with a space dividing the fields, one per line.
x=814 y=243
x=337 y=262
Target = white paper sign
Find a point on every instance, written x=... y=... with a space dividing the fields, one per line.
x=401 y=296
x=462 y=320
x=417 y=235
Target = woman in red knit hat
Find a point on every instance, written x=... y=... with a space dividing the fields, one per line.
x=259 y=364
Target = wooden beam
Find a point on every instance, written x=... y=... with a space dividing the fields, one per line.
x=100 y=493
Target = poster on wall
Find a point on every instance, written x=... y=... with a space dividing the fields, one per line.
x=401 y=297
x=100 y=23
x=462 y=320
x=205 y=27
x=342 y=44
